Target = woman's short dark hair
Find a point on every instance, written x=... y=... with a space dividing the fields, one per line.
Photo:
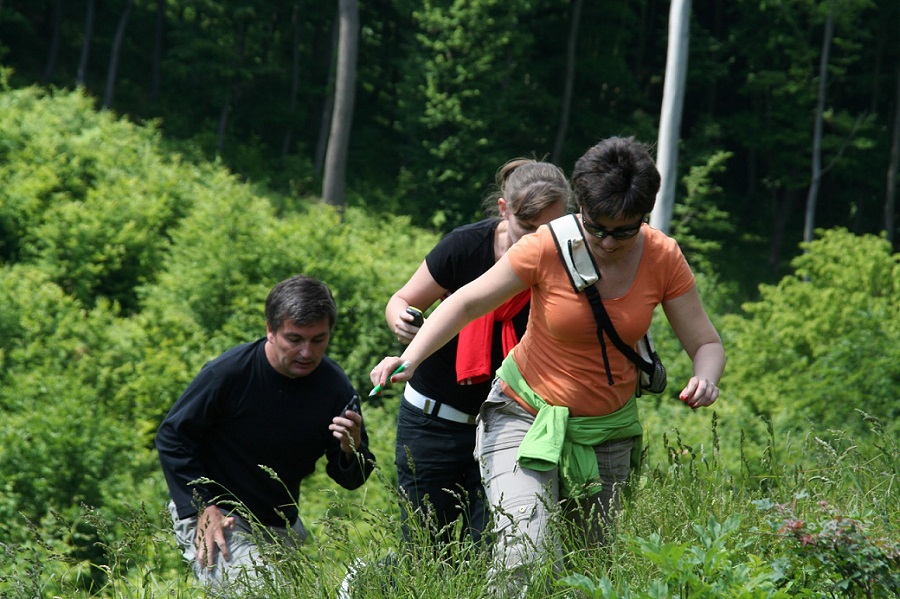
x=302 y=300
x=616 y=178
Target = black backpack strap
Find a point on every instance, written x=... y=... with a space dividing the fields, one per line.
x=604 y=323
x=583 y=274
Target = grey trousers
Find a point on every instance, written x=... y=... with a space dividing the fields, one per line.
x=246 y=564
x=522 y=501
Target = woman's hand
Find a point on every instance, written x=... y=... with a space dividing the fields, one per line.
x=404 y=329
x=383 y=375
x=702 y=343
x=699 y=392
x=420 y=291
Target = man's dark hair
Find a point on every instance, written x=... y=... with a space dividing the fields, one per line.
x=302 y=300
x=616 y=178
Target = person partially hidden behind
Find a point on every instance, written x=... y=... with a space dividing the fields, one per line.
x=437 y=473
x=249 y=427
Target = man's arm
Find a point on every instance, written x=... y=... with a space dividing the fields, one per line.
x=178 y=445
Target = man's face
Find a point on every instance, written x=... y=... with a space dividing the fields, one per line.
x=296 y=351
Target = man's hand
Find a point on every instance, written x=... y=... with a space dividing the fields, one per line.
x=210 y=537
x=347 y=428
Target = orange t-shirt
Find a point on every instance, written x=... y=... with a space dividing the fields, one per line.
x=560 y=356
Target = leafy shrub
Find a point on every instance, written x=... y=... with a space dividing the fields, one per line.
x=822 y=343
x=836 y=552
x=86 y=196
x=831 y=325
x=712 y=565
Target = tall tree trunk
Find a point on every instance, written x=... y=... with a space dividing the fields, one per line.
x=812 y=197
x=86 y=44
x=295 y=78
x=235 y=86
x=719 y=31
x=328 y=103
x=781 y=211
x=158 y=36
x=53 y=52
x=670 y=116
x=574 y=22
x=344 y=93
x=890 y=200
x=115 y=53
x=223 y=124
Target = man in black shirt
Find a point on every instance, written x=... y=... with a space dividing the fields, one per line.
x=251 y=426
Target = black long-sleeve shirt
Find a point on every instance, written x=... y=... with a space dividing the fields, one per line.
x=238 y=418
x=459 y=258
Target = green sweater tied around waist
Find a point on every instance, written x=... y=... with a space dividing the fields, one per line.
x=558 y=440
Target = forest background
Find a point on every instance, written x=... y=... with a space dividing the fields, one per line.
x=161 y=167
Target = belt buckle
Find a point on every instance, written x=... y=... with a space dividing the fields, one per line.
x=427 y=407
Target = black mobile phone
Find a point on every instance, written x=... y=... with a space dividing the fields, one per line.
x=352 y=405
x=418 y=317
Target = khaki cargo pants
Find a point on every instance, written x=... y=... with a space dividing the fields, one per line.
x=246 y=567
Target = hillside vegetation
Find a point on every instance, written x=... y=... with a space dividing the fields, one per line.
x=124 y=268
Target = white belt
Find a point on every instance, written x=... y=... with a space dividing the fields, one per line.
x=436 y=408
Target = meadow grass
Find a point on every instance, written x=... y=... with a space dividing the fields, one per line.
x=814 y=518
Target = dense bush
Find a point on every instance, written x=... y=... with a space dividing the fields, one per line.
x=88 y=197
x=824 y=342
x=815 y=351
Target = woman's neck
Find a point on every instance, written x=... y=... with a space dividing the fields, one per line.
x=501 y=239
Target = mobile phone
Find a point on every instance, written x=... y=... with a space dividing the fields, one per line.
x=352 y=405
x=418 y=318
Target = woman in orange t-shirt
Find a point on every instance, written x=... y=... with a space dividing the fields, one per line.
x=560 y=382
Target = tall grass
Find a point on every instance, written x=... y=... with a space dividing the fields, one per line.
x=814 y=518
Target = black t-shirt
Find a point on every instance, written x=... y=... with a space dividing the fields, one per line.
x=459 y=258
x=239 y=414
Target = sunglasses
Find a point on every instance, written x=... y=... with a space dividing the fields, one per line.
x=619 y=234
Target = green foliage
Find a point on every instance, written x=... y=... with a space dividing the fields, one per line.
x=66 y=435
x=698 y=220
x=457 y=83
x=825 y=341
x=448 y=90
x=780 y=78
x=87 y=197
x=712 y=565
x=848 y=560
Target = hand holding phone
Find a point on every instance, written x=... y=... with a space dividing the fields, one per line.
x=418 y=317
